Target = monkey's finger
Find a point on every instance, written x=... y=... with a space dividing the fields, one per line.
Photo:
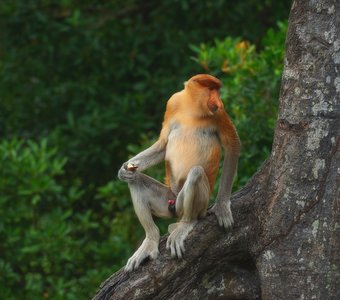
x=223 y=223
x=227 y=222
x=220 y=221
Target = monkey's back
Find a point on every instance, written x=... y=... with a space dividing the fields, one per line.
x=190 y=146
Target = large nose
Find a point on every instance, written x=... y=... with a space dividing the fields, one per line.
x=213 y=107
x=214 y=102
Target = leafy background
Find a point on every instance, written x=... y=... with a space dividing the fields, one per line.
x=83 y=87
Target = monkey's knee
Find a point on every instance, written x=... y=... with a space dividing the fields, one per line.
x=127 y=175
x=196 y=173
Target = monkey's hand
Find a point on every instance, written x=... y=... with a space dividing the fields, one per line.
x=149 y=248
x=223 y=213
x=127 y=172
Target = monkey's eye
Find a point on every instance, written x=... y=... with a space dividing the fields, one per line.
x=210 y=88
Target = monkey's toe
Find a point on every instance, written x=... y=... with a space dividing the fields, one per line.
x=148 y=248
x=178 y=235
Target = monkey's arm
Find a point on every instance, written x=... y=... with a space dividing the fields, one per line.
x=222 y=206
x=145 y=159
x=149 y=157
x=231 y=145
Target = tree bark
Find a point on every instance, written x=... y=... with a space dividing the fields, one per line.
x=285 y=241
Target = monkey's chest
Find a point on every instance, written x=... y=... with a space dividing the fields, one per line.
x=191 y=147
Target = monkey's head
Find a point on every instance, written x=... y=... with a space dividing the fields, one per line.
x=205 y=90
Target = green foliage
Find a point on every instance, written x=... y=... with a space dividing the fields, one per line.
x=83 y=85
x=74 y=71
x=50 y=248
x=251 y=89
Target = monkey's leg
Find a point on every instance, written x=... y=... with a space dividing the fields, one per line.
x=191 y=204
x=149 y=197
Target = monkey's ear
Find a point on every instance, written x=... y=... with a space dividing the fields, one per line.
x=208 y=81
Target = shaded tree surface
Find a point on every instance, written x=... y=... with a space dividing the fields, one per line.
x=285 y=240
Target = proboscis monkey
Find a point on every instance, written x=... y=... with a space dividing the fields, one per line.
x=195 y=127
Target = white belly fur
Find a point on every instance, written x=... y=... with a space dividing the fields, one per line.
x=187 y=148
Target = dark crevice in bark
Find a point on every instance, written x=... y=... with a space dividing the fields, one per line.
x=285 y=125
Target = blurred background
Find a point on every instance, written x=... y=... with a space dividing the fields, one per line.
x=83 y=87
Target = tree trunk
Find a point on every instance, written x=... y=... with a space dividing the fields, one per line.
x=285 y=241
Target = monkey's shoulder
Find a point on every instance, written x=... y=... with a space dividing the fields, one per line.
x=174 y=102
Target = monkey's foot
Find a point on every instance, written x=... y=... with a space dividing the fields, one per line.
x=223 y=214
x=149 y=248
x=178 y=234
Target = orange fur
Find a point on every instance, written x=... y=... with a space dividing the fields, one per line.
x=198 y=107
